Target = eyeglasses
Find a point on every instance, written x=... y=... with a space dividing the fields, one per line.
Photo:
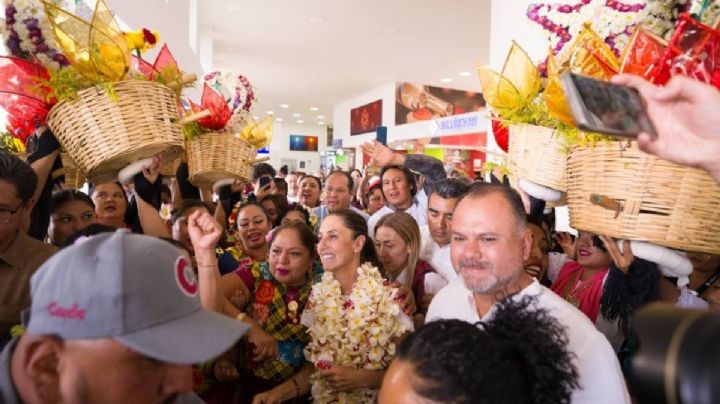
x=6 y=214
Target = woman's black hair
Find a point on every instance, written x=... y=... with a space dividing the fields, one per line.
x=623 y=294
x=297 y=208
x=307 y=236
x=64 y=196
x=280 y=203
x=359 y=227
x=88 y=231
x=520 y=356
x=409 y=177
x=313 y=177
x=188 y=204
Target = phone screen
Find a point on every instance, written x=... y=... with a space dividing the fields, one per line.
x=381 y=135
x=264 y=181
x=604 y=107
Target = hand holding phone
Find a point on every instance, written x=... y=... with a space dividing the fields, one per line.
x=604 y=107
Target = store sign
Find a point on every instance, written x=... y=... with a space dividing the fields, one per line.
x=465 y=123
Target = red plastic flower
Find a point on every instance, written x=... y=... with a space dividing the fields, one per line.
x=265 y=292
x=149 y=36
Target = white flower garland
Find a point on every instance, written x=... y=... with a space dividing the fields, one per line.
x=239 y=94
x=355 y=332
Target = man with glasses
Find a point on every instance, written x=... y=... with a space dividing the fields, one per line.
x=338 y=195
x=20 y=254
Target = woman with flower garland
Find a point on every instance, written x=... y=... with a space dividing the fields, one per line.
x=397 y=239
x=310 y=187
x=352 y=317
x=272 y=360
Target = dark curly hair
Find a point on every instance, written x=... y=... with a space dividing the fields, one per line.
x=520 y=356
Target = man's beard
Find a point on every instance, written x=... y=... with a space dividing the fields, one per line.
x=483 y=285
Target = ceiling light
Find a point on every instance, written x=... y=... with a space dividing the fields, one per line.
x=296 y=115
x=314 y=109
x=269 y=112
x=321 y=117
x=278 y=119
x=446 y=80
x=300 y=121
x=464 y=74
x=284 y=106
x=321 y=123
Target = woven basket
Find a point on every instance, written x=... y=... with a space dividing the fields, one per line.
x=103 y=135
x=169 y=169
x=74 y=178
x=216 y=156
x=536 y=154
x=646 y=198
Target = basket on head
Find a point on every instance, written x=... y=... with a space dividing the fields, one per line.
x=103 y=135
x=536 y=154
x=217 y=156
x=74 y=178
x=640 y=197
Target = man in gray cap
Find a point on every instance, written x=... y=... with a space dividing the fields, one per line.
x=114 y=319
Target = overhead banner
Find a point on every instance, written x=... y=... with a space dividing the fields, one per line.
x=415 y=102
x=366 y=118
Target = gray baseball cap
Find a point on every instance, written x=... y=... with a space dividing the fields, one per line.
x=139 y=290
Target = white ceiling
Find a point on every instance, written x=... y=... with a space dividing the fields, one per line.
x=318 y=53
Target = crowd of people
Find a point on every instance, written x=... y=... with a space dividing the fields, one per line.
x=401 y=285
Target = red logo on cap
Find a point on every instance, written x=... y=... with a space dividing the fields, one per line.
x=71 y=313
x=185 y=277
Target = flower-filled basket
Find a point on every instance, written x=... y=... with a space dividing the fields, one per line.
x=221 y=147
x=104 y=135
x=109 y=112
x=623 y=192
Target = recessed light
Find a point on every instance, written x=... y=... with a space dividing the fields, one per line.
x=321 y=117
x=256 y=117
x=278 y=119
x=321 y=123
x=284 y=106
x=269 y=112
x=316 y=19
x=296 y=115
x=464 y=74
x=300 y=121
x=314 y=109
x=446 y=80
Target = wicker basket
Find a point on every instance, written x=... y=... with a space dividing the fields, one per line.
x=643 y=198
x=536 y=154
x=103 y=135
x=169 y=169
x=216 y=156
x=74 y=178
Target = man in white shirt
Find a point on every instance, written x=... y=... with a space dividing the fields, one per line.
x=338 y=195
x=292 y=180
x=398 y=181
x=435 y=236
x=490 y=241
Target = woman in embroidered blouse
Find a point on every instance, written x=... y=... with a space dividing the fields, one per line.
x=352 y=317
x=397 y=239
x=278 y=290
x=253 y=224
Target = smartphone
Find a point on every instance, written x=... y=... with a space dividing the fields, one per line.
x=264 y=181
x=381 y=135
x=604 y=107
